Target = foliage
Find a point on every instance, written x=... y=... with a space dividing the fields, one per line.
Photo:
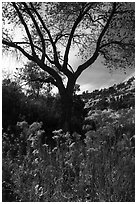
x=12 y=101
x=51 y=30
x=34 y=80
x=17 y=107
x=80 y=24
x=99 y=168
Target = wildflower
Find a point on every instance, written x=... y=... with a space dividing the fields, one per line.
x=72 y=145
x=60 y=131
x=76 y=135
x=34 y=127
x=36 y=189
x=45 y=146
x=40 y=191
x=35 y=175
x=67 y=135
x=22 y=124
x=55 y=149
x=35 y=152
x=36 y=160
x=40 y=132
x=69 y=163
x=121 y=145
x=92 y=150
x=56 y=138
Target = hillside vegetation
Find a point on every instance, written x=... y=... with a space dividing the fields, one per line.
x=94 y=163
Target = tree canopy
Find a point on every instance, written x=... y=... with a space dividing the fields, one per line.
x=51 y=30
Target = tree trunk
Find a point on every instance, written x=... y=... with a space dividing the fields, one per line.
x=67 y=104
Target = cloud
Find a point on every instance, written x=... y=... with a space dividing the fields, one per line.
x=98 y=76
x=86 y=87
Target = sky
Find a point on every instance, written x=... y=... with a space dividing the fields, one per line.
x=97 y=76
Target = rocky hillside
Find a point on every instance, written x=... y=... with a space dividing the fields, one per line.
x=118 y=96
x=113 y=105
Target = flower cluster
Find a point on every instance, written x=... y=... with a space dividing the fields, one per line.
x=97 y=167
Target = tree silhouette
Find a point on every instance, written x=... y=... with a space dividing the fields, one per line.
x=52 y=30
x=33 y=79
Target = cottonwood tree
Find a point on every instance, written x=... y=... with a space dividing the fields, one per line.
x=33 y=79
x=51 y=30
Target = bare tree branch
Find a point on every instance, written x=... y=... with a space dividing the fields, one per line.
x=117 y=43
x=38 y=48
x=96 y=53
x=78 y=20
x=50 y=37
x=38 y=30
x=106 y=26
x=26 y=28
x=47 y=80
x=11 y=44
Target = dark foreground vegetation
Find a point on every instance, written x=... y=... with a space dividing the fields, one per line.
x=94 y=162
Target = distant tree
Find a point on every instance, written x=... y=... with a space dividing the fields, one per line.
x=52 y=29
x=11 y=102
x=76 y=89
x=33 y=79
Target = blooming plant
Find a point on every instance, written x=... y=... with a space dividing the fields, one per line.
x=98 y=168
